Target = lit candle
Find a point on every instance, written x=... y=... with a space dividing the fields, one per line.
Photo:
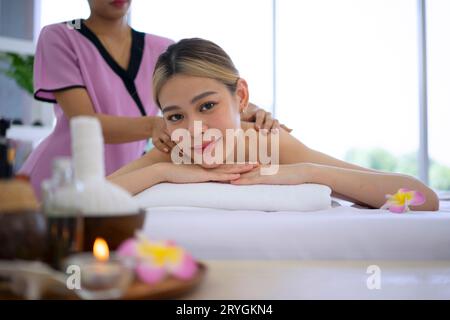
x=102 y=276
x=101 y=249
x=101 y=273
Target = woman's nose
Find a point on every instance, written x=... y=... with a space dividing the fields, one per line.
x=197 y=127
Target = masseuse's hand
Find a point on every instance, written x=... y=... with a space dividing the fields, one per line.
x=190 y=173
x=297 y=173
x=160 y=136
x=261 y=118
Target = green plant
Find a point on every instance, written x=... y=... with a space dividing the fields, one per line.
x=20 y=69
x=439 y=176
x=382 y=160
x=376 y=158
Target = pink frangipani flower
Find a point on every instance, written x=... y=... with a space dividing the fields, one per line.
x=400 y=201
x=157 y=259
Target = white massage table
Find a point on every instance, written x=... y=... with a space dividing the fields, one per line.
x=340 y=233
x=312 y=255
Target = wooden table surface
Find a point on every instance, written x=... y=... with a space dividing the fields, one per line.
x=323 y=280
x=254 y=280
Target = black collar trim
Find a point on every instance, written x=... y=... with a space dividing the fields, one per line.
x=128 y=76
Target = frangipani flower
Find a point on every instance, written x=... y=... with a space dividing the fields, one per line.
x=400 y=202
x=157 y=259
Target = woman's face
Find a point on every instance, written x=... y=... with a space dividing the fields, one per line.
x=110 y=9
x=185 y=100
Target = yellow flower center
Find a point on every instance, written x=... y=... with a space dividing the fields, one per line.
x=160 y=254
x=402 y=197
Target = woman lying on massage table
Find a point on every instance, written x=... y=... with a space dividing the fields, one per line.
x=201 y=95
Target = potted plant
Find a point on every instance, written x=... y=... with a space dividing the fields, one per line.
x=20 y=69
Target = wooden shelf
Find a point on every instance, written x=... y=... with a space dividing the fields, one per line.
x=29 y=133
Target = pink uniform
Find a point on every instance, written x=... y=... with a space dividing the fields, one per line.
x=75 y=58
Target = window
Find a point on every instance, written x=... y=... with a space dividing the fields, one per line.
x=54 y=11
x=242 y=28
x=438 y=25
x=347 y=79
x=346 y=72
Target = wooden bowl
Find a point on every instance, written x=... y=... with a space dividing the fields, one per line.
x=114 y=229
x=23 y=227
x=169 y=288
x=23 y=235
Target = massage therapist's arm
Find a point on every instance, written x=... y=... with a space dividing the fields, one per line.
x=76 y=102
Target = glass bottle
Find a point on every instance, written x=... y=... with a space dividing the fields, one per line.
x=61 y=206
x=6 y=151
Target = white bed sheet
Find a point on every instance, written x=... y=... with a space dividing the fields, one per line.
x=333 y=234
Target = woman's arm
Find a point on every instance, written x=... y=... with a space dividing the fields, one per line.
x=300 y=164
x=145 y=177
x=356 y=183
x=294 y=151
x=156 y=167
x=138 y=180
x=116 y=129
x=152 y=157
x=362 y=187
x=370 y=188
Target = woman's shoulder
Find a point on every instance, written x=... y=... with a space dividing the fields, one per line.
x=58 y=28
x=289 y=148
x=56 y=32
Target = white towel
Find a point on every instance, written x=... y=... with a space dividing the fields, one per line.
x=303 y=197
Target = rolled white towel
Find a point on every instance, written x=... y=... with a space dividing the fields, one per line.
x=303 y=197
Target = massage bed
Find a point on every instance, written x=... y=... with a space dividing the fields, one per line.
x=324 y=253
x=339 y=233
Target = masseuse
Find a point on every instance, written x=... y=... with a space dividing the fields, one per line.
x=103 y=68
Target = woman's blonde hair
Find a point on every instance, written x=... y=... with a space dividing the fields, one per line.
x=194 y=57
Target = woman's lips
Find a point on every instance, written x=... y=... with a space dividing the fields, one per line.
x=202 y=147
x=207 y=144
x=119 y=3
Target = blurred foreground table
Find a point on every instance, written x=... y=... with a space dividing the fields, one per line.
x=324 y=280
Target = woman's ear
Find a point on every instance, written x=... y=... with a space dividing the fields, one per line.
x=242 y=94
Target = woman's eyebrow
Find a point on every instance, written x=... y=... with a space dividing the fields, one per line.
x=170 y=108
x=202 y=95
x=194 y=99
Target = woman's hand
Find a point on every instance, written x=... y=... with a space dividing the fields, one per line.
x=160 y=136
x=190 y=173
x=261 y=118
x=287 y=174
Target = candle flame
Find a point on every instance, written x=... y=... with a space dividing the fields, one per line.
x=101 y=250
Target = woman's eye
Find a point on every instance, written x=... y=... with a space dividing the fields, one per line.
x=207 y=106
x=175 y=117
